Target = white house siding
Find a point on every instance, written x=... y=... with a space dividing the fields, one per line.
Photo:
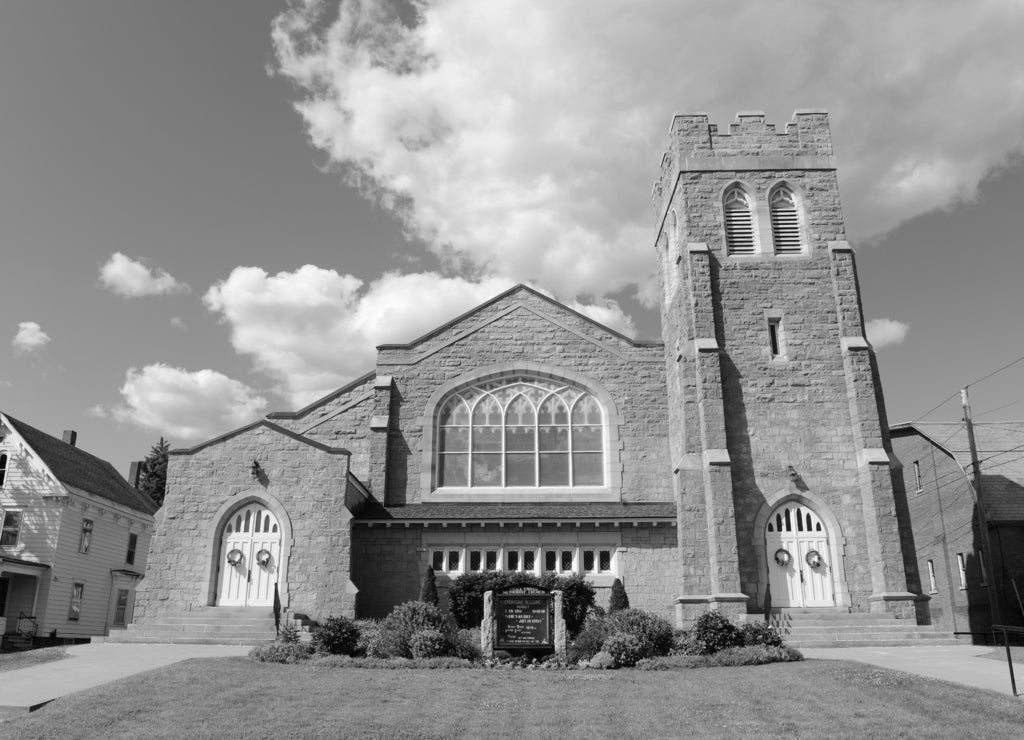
x=107 y=552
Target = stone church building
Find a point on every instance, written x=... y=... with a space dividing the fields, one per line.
x=743 y=461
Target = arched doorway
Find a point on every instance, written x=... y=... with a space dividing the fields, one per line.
x=798 y=556
x=250 y=554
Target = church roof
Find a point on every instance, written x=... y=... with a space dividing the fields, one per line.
x=553 y=512
x=1001 y=455
x=77 y=468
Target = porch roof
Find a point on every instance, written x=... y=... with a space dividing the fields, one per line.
x=22 y=567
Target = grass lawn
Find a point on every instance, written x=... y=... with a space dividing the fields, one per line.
x=232 y=697
x=24 y=659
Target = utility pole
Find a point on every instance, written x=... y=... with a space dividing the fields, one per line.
x=987 y=560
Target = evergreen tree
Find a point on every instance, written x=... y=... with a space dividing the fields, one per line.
x=428 y=592
x=153 y=480
x=619 y=600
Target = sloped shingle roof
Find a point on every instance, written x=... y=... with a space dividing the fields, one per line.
x=1001 y=455
x=75 y=467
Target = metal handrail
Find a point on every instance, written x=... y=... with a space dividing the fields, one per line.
x=1009 y=656
x=27 y=625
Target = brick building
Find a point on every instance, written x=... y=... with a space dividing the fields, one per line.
x=742 y=462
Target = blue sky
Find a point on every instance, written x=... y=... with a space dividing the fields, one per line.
x=214 y=210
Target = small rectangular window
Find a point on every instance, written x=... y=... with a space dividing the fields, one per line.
x=605 y=561
x=566 y=565
x=83 y=544
x=931 y=578
x=437 y=560
x=512 y=560
x=491 y=560
x=775 y=338
x=11 y=529
x=121 y=608
x=550 y=561
x=453 y=560
x=133 y=542
x=75 y=610
x=475 y=560
x=588 y=561
x=917 y=476
x=962 y=567
x=981 y=567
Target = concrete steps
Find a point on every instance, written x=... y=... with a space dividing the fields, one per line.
x=816 y=629
x=212 y=625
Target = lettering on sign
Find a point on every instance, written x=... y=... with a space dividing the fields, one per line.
x=524 y=620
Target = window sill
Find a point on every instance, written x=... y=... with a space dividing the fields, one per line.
x=522 y=495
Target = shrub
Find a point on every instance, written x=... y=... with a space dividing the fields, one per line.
x=428 y=644
x=428 y=591
x=619 y=600
x=759 y=633
x=288 y=634
x=466 y=595
x=602 y=660
x=590 y=639
x=396 y=630
x=626 y=650
x=336 y=636
x=711 y=632
x=464 y=644
x=734 y=656
x=368 y=629
x=653 y=633
x=279 y=652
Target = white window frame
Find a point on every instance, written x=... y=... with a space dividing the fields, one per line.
x=132 y=551
x=932 y=584
x=77 y=597
x=121 y=610
x=4 y=461
x=6 y=529
x=917 y=477
x=961 y=565
x=85 y=541
x=440 y=551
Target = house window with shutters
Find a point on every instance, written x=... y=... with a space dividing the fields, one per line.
x=787 y=228
x=740 y=222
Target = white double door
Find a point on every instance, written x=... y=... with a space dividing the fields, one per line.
x=792 y=534
x=250 y=554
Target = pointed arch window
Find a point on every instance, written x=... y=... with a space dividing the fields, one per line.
x=520 y=432
x=740 y=230
x=787 y=233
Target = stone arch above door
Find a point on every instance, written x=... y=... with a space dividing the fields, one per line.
x=219 y=521
x=837 y=539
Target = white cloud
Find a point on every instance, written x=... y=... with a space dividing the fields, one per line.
x=523 y=138
x=186 y=406
x=30 y=338
x=314 y=329
x=178 y=323
x=883 y=332
x=130 y=278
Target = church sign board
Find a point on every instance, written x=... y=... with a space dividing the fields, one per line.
x=523 y=620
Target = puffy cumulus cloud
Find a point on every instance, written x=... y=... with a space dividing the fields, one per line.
x=523 y=138
x=29 y=338
x=186 y=406
x=883 y=332
x=130 y=278
x=314 y=329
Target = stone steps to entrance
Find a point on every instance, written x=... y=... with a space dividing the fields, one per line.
x=207 y=626
x=807 y=629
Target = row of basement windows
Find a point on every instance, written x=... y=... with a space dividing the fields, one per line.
x=742 y=230
x=561 y=560
x=11 y=529
x=961 y=565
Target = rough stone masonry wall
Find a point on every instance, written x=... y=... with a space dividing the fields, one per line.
x=794 y=411
x=308 y=482
x=523 y=327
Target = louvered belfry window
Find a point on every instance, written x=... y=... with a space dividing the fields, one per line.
x=739 y=223
x=785 y=222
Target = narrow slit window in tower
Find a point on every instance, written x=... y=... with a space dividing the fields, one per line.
x=775 y=338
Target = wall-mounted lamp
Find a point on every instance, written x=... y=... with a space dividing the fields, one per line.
x=793 y=475
x=255 y=470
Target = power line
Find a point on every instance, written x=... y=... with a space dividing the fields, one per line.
x=975 y=382
x=994 y=372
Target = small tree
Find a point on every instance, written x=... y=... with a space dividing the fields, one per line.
x=153 y=481
x=428 y=591
x=619 y=600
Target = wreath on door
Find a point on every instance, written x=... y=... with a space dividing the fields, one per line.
x=782 y=557
x=234 y=556
x=263 y=557
x=813 y=559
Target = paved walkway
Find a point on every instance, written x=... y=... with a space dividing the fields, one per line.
x=955 y=663
x=91 y=665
